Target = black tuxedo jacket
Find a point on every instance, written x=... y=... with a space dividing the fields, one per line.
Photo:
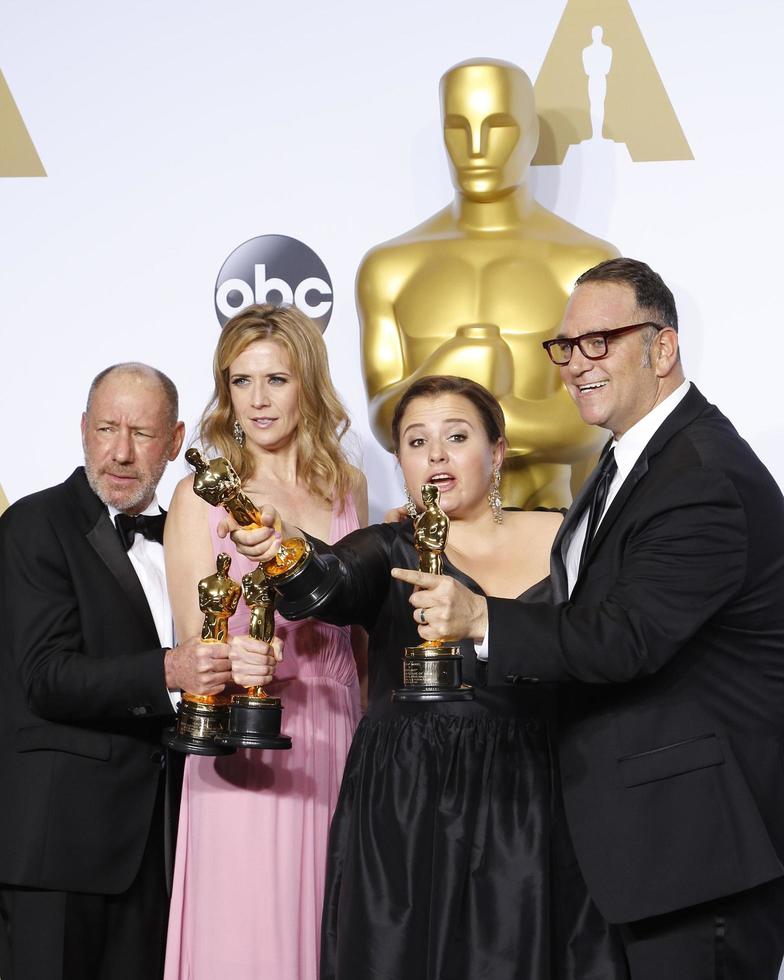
x=82 y=697
x=670 y=653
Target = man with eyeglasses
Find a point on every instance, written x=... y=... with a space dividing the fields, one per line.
x=666 y=632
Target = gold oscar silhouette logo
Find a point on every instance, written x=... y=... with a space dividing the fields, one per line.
x=599 y=83
x=18 y=156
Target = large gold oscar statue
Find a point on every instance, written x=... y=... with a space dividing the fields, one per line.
x=476 y=288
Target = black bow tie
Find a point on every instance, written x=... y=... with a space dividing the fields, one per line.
x=148 y=525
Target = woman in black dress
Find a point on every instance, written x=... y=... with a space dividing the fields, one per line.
x=441 y=863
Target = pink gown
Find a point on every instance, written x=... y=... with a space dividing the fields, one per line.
x=251 y=848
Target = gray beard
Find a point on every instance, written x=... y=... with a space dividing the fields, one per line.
x=143 y=494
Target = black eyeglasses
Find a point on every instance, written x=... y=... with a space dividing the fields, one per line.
x=592 y=345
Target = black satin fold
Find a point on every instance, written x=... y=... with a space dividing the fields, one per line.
x=438 y=855
x=448 y=855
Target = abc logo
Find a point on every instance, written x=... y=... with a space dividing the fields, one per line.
x=274 y=269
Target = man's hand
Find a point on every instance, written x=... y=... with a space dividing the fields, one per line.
x=253 y=662
x=450 y=610
x=259 y=543
x=197 y=667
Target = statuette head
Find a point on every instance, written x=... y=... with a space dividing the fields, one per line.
x=491 y=129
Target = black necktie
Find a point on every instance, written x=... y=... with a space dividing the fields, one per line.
x=148 y=525
x=607 y=470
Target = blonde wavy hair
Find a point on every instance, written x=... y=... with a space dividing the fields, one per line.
x=322 y=460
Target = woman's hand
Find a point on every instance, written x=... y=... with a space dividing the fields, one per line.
x=443 y=608
x=396 y=514
x=253 y=662
x=258 y=543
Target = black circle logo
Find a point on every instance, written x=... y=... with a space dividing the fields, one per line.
x=274 y=269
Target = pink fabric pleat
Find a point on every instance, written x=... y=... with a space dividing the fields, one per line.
x=249 y=872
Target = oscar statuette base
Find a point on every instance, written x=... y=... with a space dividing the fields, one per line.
x=198 y=725
x=433 y=672
x=305 y=586
x=254 y=723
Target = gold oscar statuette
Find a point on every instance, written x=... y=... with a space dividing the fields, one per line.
x=300 y=576
x=432 y=671
x=474 y=289
x=203 y=717
x=254 y=717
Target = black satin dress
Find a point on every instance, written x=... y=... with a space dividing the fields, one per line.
x=442 y=863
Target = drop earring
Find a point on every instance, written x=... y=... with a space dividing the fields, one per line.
x=410 y=505
x=238 y=433
x=494 y=497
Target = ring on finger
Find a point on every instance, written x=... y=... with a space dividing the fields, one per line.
x=422 y=619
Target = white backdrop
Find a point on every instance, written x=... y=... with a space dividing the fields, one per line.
x=173 y=132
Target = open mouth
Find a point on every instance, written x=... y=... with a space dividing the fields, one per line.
x=444 y=481
x=593 y=386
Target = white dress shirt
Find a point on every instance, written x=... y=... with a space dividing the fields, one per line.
x=147 y=559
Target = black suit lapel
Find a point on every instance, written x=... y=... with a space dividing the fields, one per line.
x=638 y=471
x=684 y=413
x=104 y=539
x=692 y=405
x=566 y=532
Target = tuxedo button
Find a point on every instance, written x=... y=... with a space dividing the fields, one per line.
x=159 y=759
x=140 y=710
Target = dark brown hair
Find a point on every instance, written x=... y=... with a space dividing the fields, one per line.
x=651 y=293
x=490 y=412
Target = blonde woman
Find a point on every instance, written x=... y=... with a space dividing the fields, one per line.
x=240 y=908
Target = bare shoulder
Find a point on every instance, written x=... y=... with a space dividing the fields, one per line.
x=184 y=485
x=533 y=526
x=359 y=492
x=186 y=509
x=358 y=478
x=183 y=497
